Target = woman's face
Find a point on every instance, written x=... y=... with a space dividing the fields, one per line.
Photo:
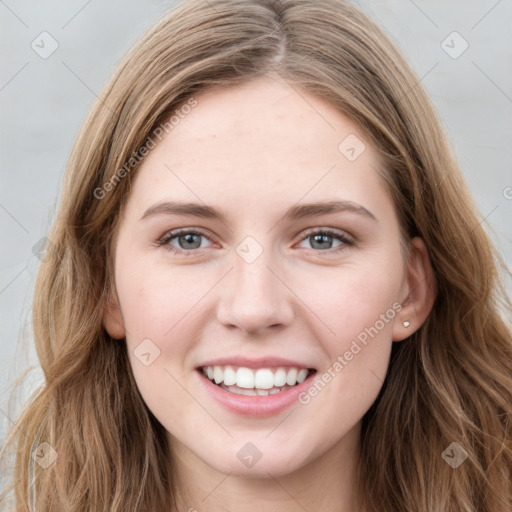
x=263 y=291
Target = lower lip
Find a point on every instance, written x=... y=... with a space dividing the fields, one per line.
x=255 y=406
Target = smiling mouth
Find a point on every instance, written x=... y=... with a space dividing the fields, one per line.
x=260 y=382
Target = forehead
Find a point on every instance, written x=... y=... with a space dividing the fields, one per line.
x=264 y=141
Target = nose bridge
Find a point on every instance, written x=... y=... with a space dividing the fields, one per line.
x=253 y=278
x=255 y=297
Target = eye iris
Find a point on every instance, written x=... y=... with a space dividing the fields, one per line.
x=323 y=237
x=187 y=239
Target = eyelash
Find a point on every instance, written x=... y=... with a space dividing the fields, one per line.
x=164 y=241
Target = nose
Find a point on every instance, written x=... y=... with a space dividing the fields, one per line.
x=254 y=296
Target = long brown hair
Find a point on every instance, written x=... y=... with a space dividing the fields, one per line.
x=451 y=382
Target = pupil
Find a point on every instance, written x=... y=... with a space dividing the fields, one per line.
x=324 y=237
x=188 y=239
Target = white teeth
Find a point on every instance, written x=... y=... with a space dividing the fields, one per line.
x=237 y=390
x=229 y=376
x=218 y=375
x=244 y=378
x=240 y=391
x=264 y=379
x=291 y=378
x=253 y=392
x=280 y=377
x=301 y=376
x=261 y=379
x=248 y=392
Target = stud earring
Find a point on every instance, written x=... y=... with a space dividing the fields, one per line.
x=406 y=324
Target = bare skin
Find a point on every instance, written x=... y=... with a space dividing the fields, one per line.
x=253 y=152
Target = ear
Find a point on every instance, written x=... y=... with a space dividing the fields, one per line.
x=113 y=318
x=419 y=292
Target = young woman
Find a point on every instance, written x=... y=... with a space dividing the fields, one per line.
x=267 y=285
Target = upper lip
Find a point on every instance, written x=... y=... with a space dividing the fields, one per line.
x=261 y=362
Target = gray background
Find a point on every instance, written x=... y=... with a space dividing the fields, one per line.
x=43 y=102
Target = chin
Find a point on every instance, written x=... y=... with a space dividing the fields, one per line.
x=257 y=458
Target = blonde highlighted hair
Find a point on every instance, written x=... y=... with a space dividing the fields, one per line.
x=450 y=382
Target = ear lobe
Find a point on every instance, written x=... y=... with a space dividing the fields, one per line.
x=420 y=293
x=113 y=318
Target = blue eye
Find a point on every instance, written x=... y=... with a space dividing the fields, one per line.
x=189 y=241
x=187 y=238
x=321 y=236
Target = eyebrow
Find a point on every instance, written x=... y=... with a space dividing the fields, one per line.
x=298 y=211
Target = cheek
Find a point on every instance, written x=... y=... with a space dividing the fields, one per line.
x=359 y=310
x=352 y=300
x=156 y=316
x=155 y=299
x=162 y=318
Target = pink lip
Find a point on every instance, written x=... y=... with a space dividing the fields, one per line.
x=254 y=406
x=262 y=362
